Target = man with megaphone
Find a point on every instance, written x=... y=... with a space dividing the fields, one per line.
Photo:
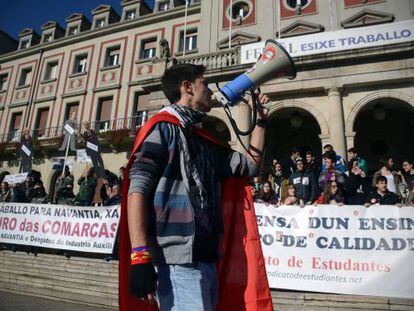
x=189 y=238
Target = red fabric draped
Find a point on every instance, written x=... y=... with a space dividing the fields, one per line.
x=241 y=272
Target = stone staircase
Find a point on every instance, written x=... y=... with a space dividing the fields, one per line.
x=95 y=282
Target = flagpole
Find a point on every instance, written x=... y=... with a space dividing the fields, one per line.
x=185 y=26
x=231 y=22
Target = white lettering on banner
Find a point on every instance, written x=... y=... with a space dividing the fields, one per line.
x=91 y=146
x=16 y=178
x=69 y=129
x=84 y=229
x=26 y=150
x=339 y=249
x=333 y=41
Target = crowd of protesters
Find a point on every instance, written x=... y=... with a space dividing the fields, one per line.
x=302 y=180
x=33 y=191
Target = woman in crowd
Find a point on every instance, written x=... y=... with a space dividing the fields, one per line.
x=267 y=195
x=289 y=197
x=332 y=194
x=356 y=185
x=277 y=179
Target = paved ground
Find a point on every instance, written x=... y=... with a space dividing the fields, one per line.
x=17 y=302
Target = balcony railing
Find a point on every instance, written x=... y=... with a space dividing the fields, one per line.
x=40 y=134
x=219 y=60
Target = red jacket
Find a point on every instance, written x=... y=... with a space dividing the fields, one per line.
x=241 y=272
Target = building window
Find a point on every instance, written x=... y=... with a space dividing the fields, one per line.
x=103 y=114
x=130 y=14
x=140 y=118
x=80 y=63
x=163 y=6
x=70 y=108
x=3 y=81
x=112 y=56
x=51 y=71
x=140 y=114
x=47 y=38
x=14 y=131
x=25 y=76
x=73 y=31
x=41 y=121
x=190 y=40
x=100 y=22
x=240 y=10
x=25 y=44
x=293 y=4
x=148 y=48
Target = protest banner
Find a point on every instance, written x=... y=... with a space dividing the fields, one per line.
x=15 y=178
x=82 y=157
x=83 y=229
x=339 y=249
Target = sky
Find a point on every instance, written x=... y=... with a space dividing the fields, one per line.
x=17 y=15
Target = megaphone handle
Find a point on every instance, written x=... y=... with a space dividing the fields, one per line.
x=253 y=123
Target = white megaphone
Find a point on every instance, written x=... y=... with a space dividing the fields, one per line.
x=275 y=62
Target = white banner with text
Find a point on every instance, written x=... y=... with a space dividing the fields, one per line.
x=334 y=41
x=339 y=249
x=76 y=228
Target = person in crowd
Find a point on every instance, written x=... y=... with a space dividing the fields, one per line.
x=64 y=192
x=26 y=152
x=289 y=196
x=353 y=154
x=267 y=195
x=121 y=175
x=277 y=178
x=174 y=166
x=356 y=185
x=330 y=173
x=306 y=188
x=332 y=194
x=339 y=161
x=386 y=165
x=29 y=190
x=114 y=197
x=290 y=163
x=381 y=195
x=87 y=184
x=408 y=178
x=39 y=194
x=18 y=193
x=5 y=194
x=70 y=138
x=257 y=183
x=93 y=149
x=311 y=166
x=254 y=193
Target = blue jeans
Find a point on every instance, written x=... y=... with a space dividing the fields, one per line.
x=189 y=287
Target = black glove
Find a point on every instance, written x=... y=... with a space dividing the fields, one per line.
x=142 y=280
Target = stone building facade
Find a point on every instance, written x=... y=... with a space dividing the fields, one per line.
x=108 y=70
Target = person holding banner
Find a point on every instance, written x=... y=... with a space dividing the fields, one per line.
x=5 y=194
x=70 y=128
x=93 y=150
x=26 y=152
x=183 y=188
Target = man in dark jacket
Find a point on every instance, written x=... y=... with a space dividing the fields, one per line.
x=382 y=195
x=93 y=149
x=304 y=183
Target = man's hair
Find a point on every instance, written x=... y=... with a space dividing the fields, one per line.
x=353 y=150
x=328 y=146
x=175 y=75
x=294 y=150
x=330 y=155
x=309 y=152
x=381 y=178
x=409 y=161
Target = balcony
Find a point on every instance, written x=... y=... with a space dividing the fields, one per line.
x=113 y=133
x=214 y=61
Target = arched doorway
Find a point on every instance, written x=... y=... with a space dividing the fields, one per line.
x=385 y=127
x=217 y=128
x=292 y=127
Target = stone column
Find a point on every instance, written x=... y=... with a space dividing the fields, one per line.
x=336 y=121
x=350 y=139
